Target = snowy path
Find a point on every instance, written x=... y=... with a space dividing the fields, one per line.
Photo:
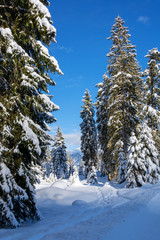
x=83 y=212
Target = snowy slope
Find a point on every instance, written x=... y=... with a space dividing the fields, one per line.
x=84 y=212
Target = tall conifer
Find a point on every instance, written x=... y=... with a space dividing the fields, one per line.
x=25 y=107
x=121 y=100
x=152 y=90
x=59 y=156
x=102 y=123
x=88 y=134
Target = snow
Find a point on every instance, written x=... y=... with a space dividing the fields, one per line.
x=102 y=211
x=5 y=171
x=153 y=51
x=12 y=45
x=47 y=101
x=30 y=135
x=45 y=53
x=3 y=108
x=41 y=7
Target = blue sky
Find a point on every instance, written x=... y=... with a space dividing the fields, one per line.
x=81 y=48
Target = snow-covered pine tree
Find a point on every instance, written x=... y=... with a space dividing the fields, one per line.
x=59 y=156
x=45 y=164
x=102 y=123
x=25 y=111
x=143 y=161
x=52 y=178
x=122 y=99
x=152 y=83
x=152 y=95
x=74 y=177
x=152 y=90
x=92 y=176
x=47 y=161
x=88 y=134
x=143 y=158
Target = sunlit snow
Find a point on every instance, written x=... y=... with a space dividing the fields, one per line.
x=98 y=212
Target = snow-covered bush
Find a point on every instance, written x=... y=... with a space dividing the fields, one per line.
x=74 y=177
x=92 y=176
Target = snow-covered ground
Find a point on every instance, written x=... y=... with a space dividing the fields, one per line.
x=84 y=212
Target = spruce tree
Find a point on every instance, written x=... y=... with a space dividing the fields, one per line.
x=88 y=134
x=152 y=92
x=152 y=83
x=25 y=107
x=144 y=151
x=102 y=123
x=92 y=176
x=59 y=156
x=143 y=158
x=74 y=177
x=121 y=100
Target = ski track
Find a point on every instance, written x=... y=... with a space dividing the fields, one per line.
x=106 y=195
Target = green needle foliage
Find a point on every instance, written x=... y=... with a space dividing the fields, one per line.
x=25 y=106
x=88 y=134
x=118 y=102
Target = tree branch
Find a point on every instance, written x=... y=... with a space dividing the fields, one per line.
x=6 y=6
x=11 y=7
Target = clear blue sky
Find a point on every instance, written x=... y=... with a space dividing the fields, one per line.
x=81 y=48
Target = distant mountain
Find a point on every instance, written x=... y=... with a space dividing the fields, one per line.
x=76 y=156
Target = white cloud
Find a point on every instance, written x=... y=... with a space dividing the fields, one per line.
x=72 y=140
x=143 y=19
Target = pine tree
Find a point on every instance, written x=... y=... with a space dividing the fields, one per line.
x=88 y=134
x=17 y=203
x=46 y=164
x=59 y=156
x=152 y=95
x=143 y=159
x=144 y=152
x=121 y=100
x=25 y=111
x=152 y=89
x=102 y=123
x=74 y=177
x=152 y=83
x=92 y=176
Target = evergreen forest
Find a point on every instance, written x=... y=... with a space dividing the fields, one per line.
x=120 y=132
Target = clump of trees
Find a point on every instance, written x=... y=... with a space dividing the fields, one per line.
x=127 y=115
